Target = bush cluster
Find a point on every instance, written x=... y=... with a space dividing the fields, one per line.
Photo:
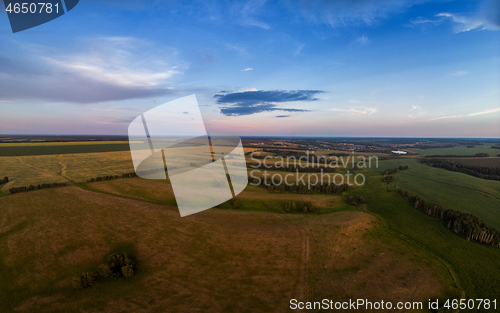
x=116 y=266
x=355 y=200
x=83 y=281
x=298 y=206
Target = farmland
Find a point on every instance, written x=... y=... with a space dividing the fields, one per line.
x=251 y=258
x=452 y=190
x=223 y=254
x=475 y=266
x=23 y=149
x=459 y=150
x=489 y=162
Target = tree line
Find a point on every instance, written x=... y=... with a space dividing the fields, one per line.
x=301 y=188
x=477 y=155
x=111 y=177
x=388 y=178
x=485 y=172
x=298 y=206
x=296 y=154
x=4 y=180
x=14 y=190
x=473 y=227
x=391 y=171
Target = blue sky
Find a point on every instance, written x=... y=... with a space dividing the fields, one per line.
x=297 y=68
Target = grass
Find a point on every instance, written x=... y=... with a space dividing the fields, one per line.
x=452 y=190
x=459 y=150
x=353 y=257
x=227 y=260
x=215 y=261
x=474 y=265
x=488 y=162
x=12 y=149
x=38 y=169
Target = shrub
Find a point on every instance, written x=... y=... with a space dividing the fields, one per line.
x=104 y=270
x=83 y=281
x=115 y=266
x=355 y=200
x=128 y=271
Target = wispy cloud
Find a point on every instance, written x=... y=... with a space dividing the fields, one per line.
x=245 y=12
x=100 y=69
x=364 y=111
x=363 y=40
x=485 y=112
x=252 y=102
x=444 y=117
x=351 y=12
x=487 y=17
x=248 y=69
x=468 y=115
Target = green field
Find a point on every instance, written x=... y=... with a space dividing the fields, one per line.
x=452 y=190
x=383 y=249
x=475 y=266
x=459 y=150
x=488 y=162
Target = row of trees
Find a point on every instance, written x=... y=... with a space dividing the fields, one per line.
x=391 y=171
x=301 y=188
x=292 y=168
x=111 y=177
x=473 y=227
x=35 y=187
x=429 y=208
x=297 y=154
x=477 y=155
x=484 y=172
x=116 y=266
x=298 y=206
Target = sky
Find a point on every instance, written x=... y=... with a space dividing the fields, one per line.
x=361 y=68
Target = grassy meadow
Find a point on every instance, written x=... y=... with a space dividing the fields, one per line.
x=452 y=190
x=211 y=260
x=459 y=150
x=474 y=266
x=254 y=258
x=215 y=261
